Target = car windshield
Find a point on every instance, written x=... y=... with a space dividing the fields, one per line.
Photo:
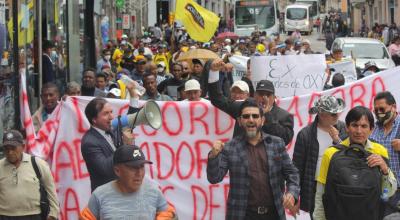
x=296 y=13
x=365 y=50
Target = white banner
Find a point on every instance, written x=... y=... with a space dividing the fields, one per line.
x=240 y=66
x=291 y=74
x=347 y=68
x=179 y=149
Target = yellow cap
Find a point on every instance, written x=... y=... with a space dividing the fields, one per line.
x=261 y=48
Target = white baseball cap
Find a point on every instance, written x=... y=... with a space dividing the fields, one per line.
x=242 y=85
x=162 y=63
x=192 y=85
x=124 y=36
x=116 y=92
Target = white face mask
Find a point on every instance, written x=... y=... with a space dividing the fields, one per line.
x=160 y=69
x=107 y=57
x=54 y=55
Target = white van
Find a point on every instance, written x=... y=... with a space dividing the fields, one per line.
x=298 y=16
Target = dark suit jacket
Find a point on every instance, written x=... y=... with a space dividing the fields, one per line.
x=48 y=73
x=233 y=158
x=98 y=155
x=278 y=122
x=305 y=157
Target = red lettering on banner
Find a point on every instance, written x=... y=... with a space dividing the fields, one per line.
x=79 y=116
x=212 y=204
x=226 y=192
x=199 y=160
x=143 y=146
x=218 y=130
x=157 y=146
x=342 y=93
x=295 y=104
x=360 y=98
x=167 y=188
x=377 y=81
x=195 y=189
x=165 y=121
x=80 y=162
x=152 y=133
x=65 y=150
x=311 y=104
x=123 y=109
x=290 y=145
x=178 y=157
x=193 y=118
x=71 y=204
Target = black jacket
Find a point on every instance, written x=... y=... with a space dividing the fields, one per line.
x=278 y=122
x=305 y=157
x=98 y=156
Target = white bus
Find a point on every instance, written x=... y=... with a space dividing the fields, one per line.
x=251 y=15
x=298 y=17
x=315 y=5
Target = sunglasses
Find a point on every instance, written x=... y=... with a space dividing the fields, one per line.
x=247 y=116
x=380 y=110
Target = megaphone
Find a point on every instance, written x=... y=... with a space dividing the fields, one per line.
x=149 y=114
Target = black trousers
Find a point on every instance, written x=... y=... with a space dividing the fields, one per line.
x=26 y=217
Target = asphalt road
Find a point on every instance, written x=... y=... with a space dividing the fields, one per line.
x=316 y=39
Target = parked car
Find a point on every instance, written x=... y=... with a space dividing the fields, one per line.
x=363 y=50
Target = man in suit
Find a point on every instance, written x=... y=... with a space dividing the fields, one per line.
x=100 y=141
x=255 y=160
x=48 y=73
x=278 y=121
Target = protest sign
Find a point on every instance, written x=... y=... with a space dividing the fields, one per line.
x=179 y=149
x=347 y=68
x=292 y=74
x=240 y=66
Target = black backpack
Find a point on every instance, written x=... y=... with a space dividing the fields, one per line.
x=353 y=189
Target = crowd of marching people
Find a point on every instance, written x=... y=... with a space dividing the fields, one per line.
x=158 y=67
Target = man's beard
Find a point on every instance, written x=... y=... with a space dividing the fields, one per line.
x=253 y=133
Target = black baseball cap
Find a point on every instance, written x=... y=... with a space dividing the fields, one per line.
x=12 y=138
x=265 y=85
x=130 y=155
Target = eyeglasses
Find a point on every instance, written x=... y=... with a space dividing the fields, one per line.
x=15 y=175
x=247 y=116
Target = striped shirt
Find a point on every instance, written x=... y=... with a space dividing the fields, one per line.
x=379 y=136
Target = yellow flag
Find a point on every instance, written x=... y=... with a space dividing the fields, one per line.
x=25 y=34
x=199 y=22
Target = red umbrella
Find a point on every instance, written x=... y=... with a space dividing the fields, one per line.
x=226 y=35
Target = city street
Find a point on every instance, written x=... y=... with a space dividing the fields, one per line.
x=316 y=44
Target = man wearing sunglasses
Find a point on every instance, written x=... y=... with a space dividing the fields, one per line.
x=20 y=195
x=387 y=133
x=278 y=121
x=259 y=168
x=312 y=141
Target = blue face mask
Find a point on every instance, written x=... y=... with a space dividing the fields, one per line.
x=53 y=55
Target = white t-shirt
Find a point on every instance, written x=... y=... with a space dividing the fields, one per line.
x=325 y=141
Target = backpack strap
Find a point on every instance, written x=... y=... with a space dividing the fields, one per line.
x=36 y=168
x=339 y=146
